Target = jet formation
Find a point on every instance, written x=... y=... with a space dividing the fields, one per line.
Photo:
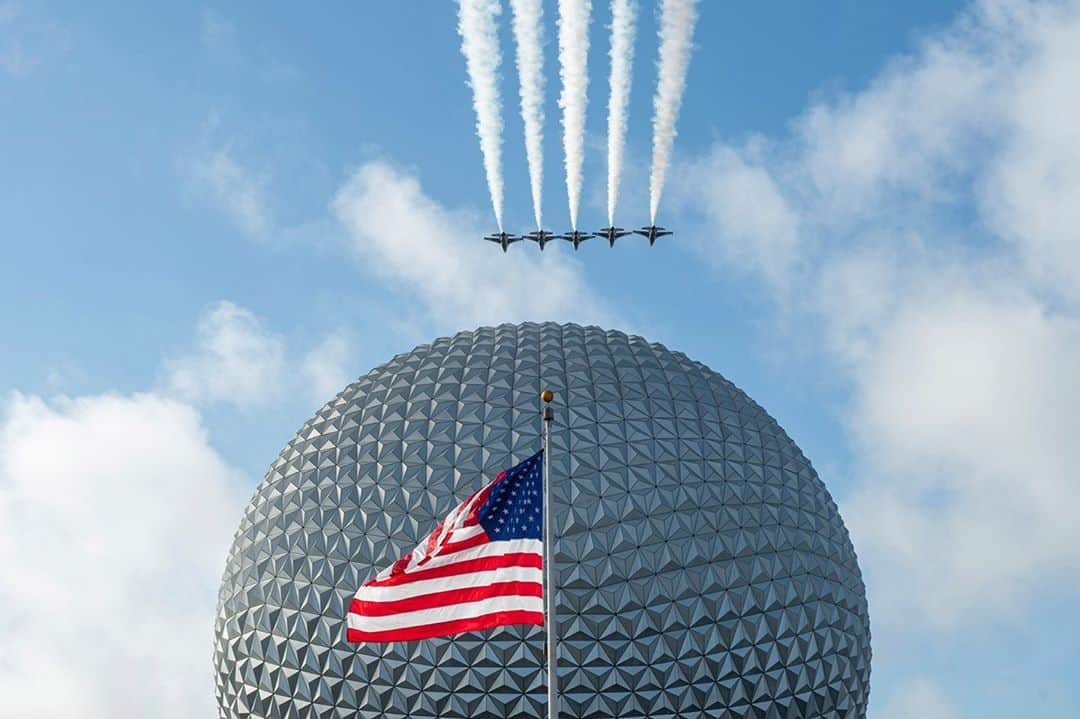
x=576 y=237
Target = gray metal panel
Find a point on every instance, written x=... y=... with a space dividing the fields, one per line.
x=704 y=570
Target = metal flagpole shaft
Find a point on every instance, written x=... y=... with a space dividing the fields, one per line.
x=549 y=564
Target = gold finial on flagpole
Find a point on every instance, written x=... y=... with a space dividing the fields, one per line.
x=547 y=395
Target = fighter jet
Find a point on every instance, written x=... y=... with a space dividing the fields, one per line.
x=575 y=238
x=652 y=232
x=540 y=237
x=503 y=239
x=613 y=233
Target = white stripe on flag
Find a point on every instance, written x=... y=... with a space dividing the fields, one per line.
x=463 y=533
x=491 y=549
x=462 y=581
x=467 y=610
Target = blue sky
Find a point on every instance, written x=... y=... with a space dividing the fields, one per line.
x=212 y=217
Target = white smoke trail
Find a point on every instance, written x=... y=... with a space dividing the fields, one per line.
x=677 y=19
x=480 y=45
x=573 y=69
x=528 y=34
x=623 y=16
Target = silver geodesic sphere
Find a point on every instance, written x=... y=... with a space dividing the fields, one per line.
x=703 y=569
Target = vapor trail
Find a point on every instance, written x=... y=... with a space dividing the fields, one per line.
x=480 y=45
x=623 y=17
x=677 y=19
x=573 y=69
x=528 y=34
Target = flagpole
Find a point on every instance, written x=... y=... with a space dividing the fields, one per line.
x=549 y=564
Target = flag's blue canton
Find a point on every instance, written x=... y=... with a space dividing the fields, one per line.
x=514 y=509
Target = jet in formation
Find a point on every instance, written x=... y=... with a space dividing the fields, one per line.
x=652 y=232
x=613 y=233
x=541 y=237
x=575 y=238
x=503 y=239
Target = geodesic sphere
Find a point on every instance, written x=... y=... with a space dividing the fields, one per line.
x=702 y=567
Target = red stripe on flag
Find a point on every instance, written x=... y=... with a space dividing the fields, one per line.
x=451 y=547
x=443 y=629
x=445 y=598
x=481 y=564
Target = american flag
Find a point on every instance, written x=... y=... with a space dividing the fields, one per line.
x=482 y=567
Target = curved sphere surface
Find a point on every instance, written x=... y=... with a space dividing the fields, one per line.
x=702 y=567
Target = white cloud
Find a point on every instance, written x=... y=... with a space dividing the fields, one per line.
x=918 y=699
x=965 y=419
x=1029 y=195
x=435 y=256
x=983 y=115
x=236 y=359
x=115 y=517
x=745 y=206
x=928 y=225
x=326 y=368
x=239 y=191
